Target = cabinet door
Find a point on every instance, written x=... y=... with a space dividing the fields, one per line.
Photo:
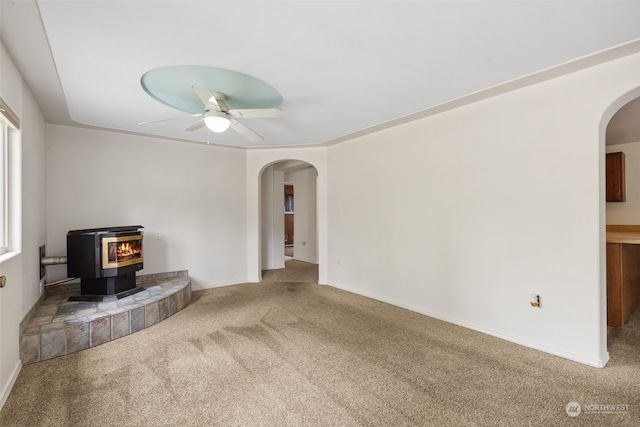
x=288 y=229
x=623 y=277
x=615 y=177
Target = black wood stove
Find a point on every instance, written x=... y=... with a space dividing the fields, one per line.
x=106 y=260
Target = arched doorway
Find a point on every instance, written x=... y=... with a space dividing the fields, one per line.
x=619 y=133
x=257 y=162
x=288 y=213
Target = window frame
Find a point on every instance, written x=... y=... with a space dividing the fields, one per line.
x=4 y=205
x=9 y=122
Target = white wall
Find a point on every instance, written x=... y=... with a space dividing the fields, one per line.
x=463 y=214
x=192 y=194
x=272 y=230
x=34 y=197
x=11 y=298
x=27 y=212
x=627 y=213
x=305 y=243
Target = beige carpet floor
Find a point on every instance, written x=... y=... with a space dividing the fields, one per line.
x=289 y=352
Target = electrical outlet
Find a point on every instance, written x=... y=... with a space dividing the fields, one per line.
x=41 y=252
x=157 y=235
x=535 y=300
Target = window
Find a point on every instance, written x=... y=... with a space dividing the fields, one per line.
x=4 y=136
x=8 y=121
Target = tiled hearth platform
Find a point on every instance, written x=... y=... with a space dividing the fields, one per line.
x=57 y=326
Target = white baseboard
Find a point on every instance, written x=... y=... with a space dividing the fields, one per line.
x=597 y=363
x=6 y=389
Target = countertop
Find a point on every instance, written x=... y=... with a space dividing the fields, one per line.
x=629 y=234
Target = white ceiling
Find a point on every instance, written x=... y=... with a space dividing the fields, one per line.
x=342 y=67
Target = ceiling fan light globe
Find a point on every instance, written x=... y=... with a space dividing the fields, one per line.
x=217 y=124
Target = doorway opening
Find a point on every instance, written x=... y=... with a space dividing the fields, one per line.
x=622 y=218
x=289 y=218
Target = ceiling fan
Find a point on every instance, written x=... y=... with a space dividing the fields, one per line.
x=218 y=117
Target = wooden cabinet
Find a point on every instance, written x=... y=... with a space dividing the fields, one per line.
x=615 y=177
x=288 y=215
x=288 y=229
x=623 y=282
